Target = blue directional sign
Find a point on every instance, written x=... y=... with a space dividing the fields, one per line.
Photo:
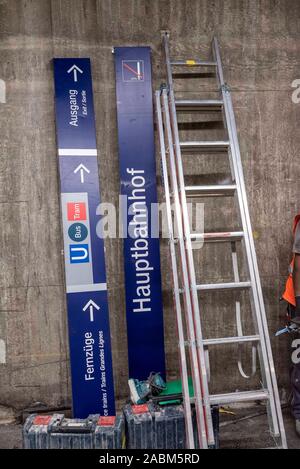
x=88 y=315
x=138 y=185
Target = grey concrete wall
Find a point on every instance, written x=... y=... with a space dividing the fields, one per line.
x=260 y=44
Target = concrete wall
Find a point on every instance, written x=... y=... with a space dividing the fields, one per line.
x=260 y=44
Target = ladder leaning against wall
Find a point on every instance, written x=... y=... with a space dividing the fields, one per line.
x=186 y=288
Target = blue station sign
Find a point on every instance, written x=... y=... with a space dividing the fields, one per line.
x=144 y=309
x=88 y=315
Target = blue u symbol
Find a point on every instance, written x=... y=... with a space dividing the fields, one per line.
x=79 y=253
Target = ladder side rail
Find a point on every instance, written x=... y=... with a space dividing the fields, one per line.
x=189 y=251
x=251 y=255
x=258 y=290
x=176 y=294
x=201 y=422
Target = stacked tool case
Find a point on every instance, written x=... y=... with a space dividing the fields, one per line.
x=36 y=430
x=57 y=432
x=110 y=433
x=139 y=426
x=73 y=433
x=169 y=429
x=151 y=426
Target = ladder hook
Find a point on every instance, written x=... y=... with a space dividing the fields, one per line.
x=240 y=346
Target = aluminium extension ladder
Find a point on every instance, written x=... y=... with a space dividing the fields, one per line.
x=176 y=194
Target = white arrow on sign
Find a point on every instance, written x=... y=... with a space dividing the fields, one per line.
x=91 y=305
x=81 y=168
x=75 y=69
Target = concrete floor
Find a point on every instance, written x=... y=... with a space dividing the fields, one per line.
x=11 y=434
x=257 y=427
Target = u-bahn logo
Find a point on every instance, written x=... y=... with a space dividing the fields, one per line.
x=79 y=253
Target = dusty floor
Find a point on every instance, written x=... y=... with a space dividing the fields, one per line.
x=11 y=434
x=236 y=435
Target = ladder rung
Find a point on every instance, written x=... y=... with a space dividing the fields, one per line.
x=244 y=396
x=217 y=237
x=210 y=191
x=231 y=340
x=223 y=286
x=214 y=146
x=199 y=105
x=192 y=63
